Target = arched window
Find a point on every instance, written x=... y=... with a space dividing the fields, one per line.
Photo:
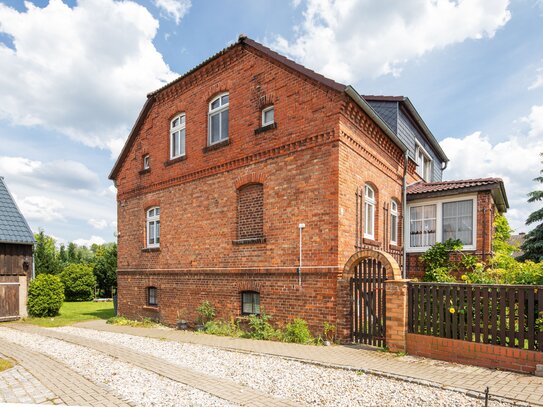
x=218 y=119
x=369 y=212
x=152 y=296
x=251 y=212
x=250 y=303
x=153 y=227
x=394 y=222
x=177 y=136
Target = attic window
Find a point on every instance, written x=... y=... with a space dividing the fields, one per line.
x=268 y=116
x=146 y=162
x=424 y=163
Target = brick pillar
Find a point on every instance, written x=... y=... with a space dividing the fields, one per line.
x=396 y=314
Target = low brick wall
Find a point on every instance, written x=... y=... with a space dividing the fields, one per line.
x=478 y=354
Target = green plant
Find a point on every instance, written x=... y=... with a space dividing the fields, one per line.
x=261 y=328
x=45 y=296
x=122 y=321
x=329 y=331
x=297 y=331
x=533 y=243
x=206 y=312
x=79 y=282
x=223 y=328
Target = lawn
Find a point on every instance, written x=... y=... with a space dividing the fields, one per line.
x=72 y=312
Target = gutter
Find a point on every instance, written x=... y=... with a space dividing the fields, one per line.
x=404 y=215
x=349 y=90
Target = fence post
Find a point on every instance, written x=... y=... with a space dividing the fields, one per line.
x=396 y=315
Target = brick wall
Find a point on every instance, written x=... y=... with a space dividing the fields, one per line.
x=478 y=354
x=251 y=212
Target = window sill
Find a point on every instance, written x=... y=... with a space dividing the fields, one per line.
x=145 y=171
x=150 y=249
x=371 y=242
x=254 y=240
x=151 y=308
x=395 y=247
x=216 y=146
x=266 y=128
x=172 y=161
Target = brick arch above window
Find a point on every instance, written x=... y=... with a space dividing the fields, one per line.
x=250 y=217
x=251 y=178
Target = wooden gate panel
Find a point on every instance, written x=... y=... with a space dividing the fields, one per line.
x=9 y=301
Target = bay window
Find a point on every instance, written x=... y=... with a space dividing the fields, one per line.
x=422 y=231
x=458 y=221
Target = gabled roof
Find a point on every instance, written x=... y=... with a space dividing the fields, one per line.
x=13 y=225
x=420 y=190
x=405 y=102
x=312 y=75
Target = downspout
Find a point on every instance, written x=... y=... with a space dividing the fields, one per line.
x=404 y=214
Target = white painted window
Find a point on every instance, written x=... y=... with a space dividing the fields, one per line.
x=146 y=162
x=394 y=222
x=177 y=136
x=424 y=163
x=153 y=227
x=458 y=221
x=218 y=119
x=268 y=116
x=440 y=219
x=369 y=212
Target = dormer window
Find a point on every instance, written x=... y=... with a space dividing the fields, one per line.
x=268 y=116
x=177 y=136
x=218 y=119
x=424 y=163
x=146 y=162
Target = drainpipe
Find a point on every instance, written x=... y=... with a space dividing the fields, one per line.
x=301 y=226
x=404 y=213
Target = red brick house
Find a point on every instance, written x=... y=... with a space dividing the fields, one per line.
x=234 y=164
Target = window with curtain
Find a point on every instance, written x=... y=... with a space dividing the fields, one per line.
x=394 y=222
x=218 y=119
x=458 y=221
x=369 y=212
x=422 y=225
x=152 y=296
x=250 y=303
x=177 y=137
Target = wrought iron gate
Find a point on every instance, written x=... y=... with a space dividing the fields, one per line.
x=368 y=303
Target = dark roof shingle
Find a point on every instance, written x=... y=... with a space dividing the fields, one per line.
x=13 y=226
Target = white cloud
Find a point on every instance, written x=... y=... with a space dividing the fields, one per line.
x=516 y=161
x=175 y=9
x=89 y=242
x=351 y=39
x=538 y=80
x=82 y=71
x=41 y=208
x=98 y=223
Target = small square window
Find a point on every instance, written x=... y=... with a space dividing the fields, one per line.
x=250 y=303
x=268 y=116
x=146 y=162
x=152 y=296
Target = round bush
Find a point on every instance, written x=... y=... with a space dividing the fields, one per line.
x=79 y=282
x=45 y=296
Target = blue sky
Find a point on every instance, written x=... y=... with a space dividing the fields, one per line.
x=73 y=76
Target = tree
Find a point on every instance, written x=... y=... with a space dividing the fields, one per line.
x=72 y=255
x=62 y=256
x=79 y=282
x=105 y=268
x=533 y=243
x=45 y=256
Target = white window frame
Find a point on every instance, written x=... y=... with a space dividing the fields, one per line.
x=439 y=221
x=394 y=221
x=369 y=202
x=218 y=111
x=264 y=111
x=181 y=127
x=422 y=170
x=146 y=162
x=151 y=223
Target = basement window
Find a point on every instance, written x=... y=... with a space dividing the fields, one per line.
x=152 y=296
x=250 y=303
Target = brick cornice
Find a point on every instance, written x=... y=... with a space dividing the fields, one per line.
x=285 y=149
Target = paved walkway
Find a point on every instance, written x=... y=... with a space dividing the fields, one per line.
x=470 y=379
x=222 y=388
x=64 y=385
x=17 y=385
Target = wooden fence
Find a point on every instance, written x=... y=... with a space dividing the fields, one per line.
x=505 y=315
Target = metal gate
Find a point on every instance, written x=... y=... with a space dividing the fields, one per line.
x=9 y=301
x=368 y=303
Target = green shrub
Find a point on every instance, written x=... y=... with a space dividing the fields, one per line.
x=79 y=282
x=45 y=296
x=206 y=312
x=261 y=328
x=297 y=332
x=223 y=328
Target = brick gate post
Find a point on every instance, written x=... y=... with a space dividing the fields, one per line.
x=396 y=314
